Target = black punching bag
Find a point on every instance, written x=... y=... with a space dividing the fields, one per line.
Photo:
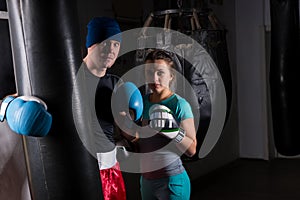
x=284 y=76
x=46 y=48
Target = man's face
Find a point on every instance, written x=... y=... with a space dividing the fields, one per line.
x=105 y=53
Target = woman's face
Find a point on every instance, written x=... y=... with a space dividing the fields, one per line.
x=158 y=75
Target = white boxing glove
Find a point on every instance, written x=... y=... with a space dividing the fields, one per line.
x=163 y=121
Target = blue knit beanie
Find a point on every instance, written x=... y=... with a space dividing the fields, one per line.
x=102 y=28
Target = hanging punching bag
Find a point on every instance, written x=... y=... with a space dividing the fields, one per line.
x=285 y=48
x=46 y=48
x=215 y=43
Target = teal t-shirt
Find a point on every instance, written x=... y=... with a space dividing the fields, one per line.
x=161 y=158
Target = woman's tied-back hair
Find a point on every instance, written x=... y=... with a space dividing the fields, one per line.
x=159 y=54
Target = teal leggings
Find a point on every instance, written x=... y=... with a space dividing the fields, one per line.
x=176 y=187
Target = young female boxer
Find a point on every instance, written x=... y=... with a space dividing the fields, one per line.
x=163 y=175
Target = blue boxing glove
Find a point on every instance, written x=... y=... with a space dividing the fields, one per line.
x=127 y=107
x=163 y=121
x=26 y=115
x=128 y=98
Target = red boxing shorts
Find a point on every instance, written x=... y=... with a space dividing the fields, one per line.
x=113 y=187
